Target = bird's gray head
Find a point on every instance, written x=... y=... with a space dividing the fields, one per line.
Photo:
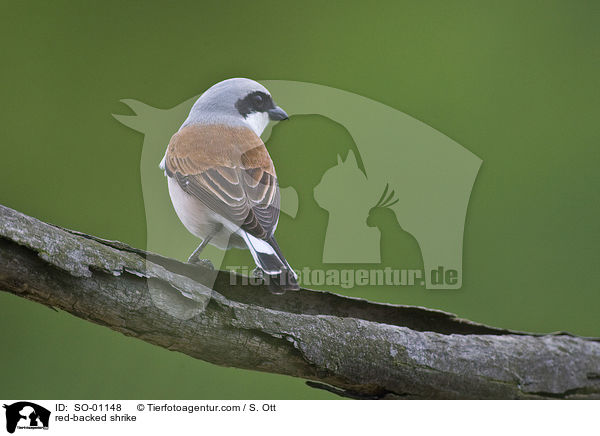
x=236 y=102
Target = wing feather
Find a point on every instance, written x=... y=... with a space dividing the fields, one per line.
x=230 y=171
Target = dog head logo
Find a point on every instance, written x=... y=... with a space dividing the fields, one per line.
x=26 y=415
x=427 y=178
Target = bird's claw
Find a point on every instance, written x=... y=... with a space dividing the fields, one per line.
x=206 y=263
x=258 y=273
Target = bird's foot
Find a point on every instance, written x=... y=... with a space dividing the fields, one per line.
x=206 y=263
x=258 y=273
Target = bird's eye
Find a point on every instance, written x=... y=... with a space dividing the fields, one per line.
x=258 y=99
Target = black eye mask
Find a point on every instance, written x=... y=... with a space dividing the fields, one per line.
x=256 y=101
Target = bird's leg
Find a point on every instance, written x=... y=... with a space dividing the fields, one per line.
x=195 y=256
x=258 y=272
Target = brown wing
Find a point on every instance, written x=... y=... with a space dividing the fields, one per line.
x=230 y=171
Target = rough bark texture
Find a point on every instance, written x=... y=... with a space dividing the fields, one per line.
x=349 y=346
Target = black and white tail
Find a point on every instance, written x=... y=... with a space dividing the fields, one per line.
x=270 y=259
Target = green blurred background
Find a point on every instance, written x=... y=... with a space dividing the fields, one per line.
x=515 y=82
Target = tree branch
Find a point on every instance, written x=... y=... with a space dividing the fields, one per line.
x=349 y=346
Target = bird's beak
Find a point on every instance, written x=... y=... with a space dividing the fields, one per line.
x=277 y=114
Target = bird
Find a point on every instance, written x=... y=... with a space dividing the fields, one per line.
x=222 y=181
